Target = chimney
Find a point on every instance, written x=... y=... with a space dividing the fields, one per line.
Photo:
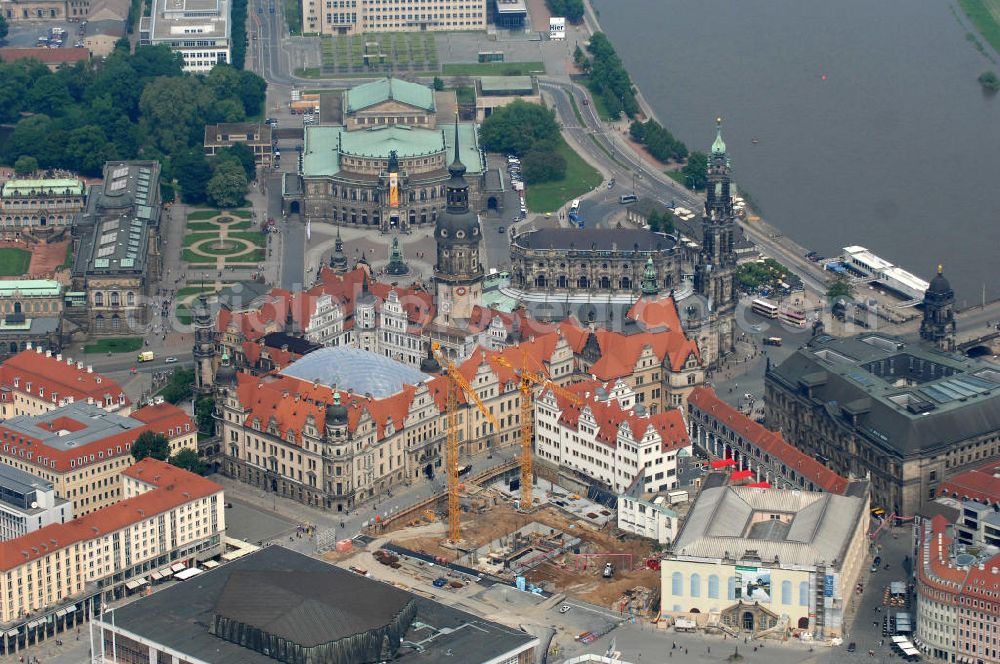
x=284 y=394
x=38 y=349
x=90 y=368
x=79 y=365
x=58 y=357
x=48 y=353
x=69 y=361
x=27 y=346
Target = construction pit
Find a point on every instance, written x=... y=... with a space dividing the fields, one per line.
x=554 y=550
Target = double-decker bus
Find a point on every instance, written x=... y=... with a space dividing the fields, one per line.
x=764 y=308
x=793 y=316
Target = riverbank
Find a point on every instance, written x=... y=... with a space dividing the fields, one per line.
x=985 y=16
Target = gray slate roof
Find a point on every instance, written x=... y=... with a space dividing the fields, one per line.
x=951 y=398
x=721 y=525
x=596 y=239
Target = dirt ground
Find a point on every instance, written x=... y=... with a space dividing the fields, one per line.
x=45 y=258
x=568 y=573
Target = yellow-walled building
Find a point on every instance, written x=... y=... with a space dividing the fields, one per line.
x=767 y=562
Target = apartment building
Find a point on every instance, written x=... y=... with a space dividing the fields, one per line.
x=603 y=436
x=37 y=381
x=51 y=578
x=81 y=449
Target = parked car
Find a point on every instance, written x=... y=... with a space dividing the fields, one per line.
x=852 y=646
x=440 y=582
x=170 y=360
x=564 y=608
x=609 y=570
x=502 y=229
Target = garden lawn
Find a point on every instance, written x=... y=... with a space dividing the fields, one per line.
x=580 y=178
x=114 y=345
x=14 y=262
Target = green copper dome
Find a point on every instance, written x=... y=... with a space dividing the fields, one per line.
x=719 y=146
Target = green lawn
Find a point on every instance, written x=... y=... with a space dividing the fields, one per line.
x=985 y=15
x=600 y=107
x=255 y=237
x=192 y=257
x=209 y=227
x=114 y=345
x=677 y=176
x=202 y=215
x=580 y=178
x=14 y=262
x=192 y=238
x=494 y=69
x=293 y=14
x=194 y=290
x=68 y=261
x=184 y=315
x=254 y=257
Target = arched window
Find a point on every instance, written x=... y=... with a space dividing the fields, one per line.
x=582 y=282
x=99 y=299
x=731 y=588
x=626 y=283
x=115 y=299
x=130 y=298
x=540 y=281
x=786 y=592
x=695 y=585
x=804 y=593
x=713 y=586
x=605 y=283
x=677 y=584
x=561 y=282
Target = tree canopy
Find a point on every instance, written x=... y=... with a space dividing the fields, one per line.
x=608 y=78
x=571 y=10
x=128 y=106
x=188 y=460
x=660 y=143
x=151 y=444
x=517 y=127
x=769 y=273
x=179 y=386
x=3 y=27
x=543 y=163
x=228 y=185
x=841 y=288
x=696 y=170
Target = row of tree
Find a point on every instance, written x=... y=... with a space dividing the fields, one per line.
x=571 y=10
x=696 y=170
x=530 y=132
x=608 y=78
x=661 y=222
x=129 y=106
x=755 y=275
x=658 y=140
x=239 y=33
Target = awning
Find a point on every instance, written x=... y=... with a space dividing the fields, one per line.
x=61 y=612
x=12 y=632
x=178 y=567
x=899 y=639
x=186 y=574
x=910 y=652
x=131 y=585
x=741 y=475
x=759 y=485
x=723 y=463
x=210 y=564
x=136 y=583
x=156 y=576
x=34 y=623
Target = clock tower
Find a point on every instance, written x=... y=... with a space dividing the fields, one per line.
x=458 y=272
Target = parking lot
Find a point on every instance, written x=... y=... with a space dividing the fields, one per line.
x=26 y=35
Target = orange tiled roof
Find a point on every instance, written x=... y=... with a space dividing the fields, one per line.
x=162 y=418
x=610 y=417
x=49 y=56
x=57 y=377
x=981 y=484
x=767 y=441
x=174 y=487
x=936 y=568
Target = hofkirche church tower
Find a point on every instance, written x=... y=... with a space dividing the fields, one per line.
x=458 y=271
x=715 y=273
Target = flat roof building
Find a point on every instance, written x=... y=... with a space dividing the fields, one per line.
x=297 y=606
x=255 y=135
x=359 y=16
x=767 y=562
x=906 y=413
x=492 y=92
x=27 y=503
x=197 y=29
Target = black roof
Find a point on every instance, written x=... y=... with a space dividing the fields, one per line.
x=297 y=345
x=179 y=617
x=596 y=239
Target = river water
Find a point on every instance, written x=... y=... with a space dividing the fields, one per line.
x=896 y=149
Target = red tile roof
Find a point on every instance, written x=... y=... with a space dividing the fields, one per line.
x=49 y=56
x=981 y=484
x=705 y=399
x=610 y=417
x=162 y=419
x=174 y=487
x=59 y=377
x=936 y=568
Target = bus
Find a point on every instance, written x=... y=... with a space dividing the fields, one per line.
x=764 y=308
x=793 y=316
x=772 y=341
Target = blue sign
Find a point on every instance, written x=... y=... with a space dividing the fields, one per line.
x=828 y=586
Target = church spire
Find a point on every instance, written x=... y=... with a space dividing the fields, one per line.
x=719 y=145
x=650 y=288
x=457 y=168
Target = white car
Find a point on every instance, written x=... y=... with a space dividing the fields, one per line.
x=170 y=360
x=564 y=608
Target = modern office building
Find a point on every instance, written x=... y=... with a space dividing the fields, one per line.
x=81 y=448
x=278 y=605
x=767 y=563
x=197 y=29
x=906 y=414
x=53 y=577
x=346 y=17
x=27 y=503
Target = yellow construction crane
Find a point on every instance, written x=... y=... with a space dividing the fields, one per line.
x=530 y=379
x=456 y=385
